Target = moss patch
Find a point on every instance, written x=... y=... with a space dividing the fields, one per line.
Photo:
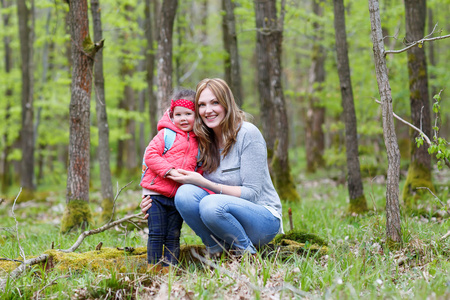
x=100 y=260
x=300 y=237
x=107 y=209
x=418 y=176
x=76 y=215
x=283 y=181
x=358 y=205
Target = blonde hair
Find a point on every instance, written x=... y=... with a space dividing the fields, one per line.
x=230 y=125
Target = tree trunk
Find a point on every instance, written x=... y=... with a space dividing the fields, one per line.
x=231 y=48
x=266 y=14
x=102 y=118
x=5 y=175
x=263 y=79
x=150 y=64
x=26 y=34
x=77 y=213
x=419 y=172
x=164 y=78
x=358 y=201
x=393 y=226
x=315 y=117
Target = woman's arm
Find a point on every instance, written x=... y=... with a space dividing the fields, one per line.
x=197 y=179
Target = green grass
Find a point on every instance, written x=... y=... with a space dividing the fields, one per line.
x=359 y=264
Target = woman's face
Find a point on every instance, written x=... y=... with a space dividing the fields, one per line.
x=210 y=110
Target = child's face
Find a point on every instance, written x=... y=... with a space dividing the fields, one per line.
x=183 y=118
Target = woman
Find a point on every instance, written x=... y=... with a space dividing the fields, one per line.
x=245 y=211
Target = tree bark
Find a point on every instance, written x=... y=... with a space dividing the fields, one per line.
x=263 y=78
x=393 y=226
x=358 y=201
x=266 y=13
x=419 y=171
x=26 y=35
x=164 y=78
x=315 y=117
x=150 y=65
x=5 y=174
x=231 y=48
x=83 y=51
x=102 y=118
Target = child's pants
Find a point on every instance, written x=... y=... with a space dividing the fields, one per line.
x=164 y=226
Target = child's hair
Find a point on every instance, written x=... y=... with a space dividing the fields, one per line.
x=182 y=93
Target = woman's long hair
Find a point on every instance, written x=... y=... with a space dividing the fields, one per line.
x=208 y=143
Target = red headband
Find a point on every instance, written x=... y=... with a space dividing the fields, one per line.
x=182 y=102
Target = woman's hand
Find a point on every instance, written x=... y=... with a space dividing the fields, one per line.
x=146 y=203
x=183 y=176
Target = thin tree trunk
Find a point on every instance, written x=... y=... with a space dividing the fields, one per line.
x=102 y=118
x=419 y=171
x=315 y=117
x=393 y=226
x=233 y=52
x=77 y=213
x=5 y=174
x=164 y=78
x=358 y=201
x=26 y=33
x=150 y=64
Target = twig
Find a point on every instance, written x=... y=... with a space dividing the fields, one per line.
x=416 y=43
x=426 y=138
x=49 y=284
x=443 y=205
x=445 y=236
x=115 y=198
x=98 y=230
x=22 y=253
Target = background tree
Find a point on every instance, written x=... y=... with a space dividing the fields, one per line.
x=77 y=212
x=5 y=174
x=269 y=24
x=164 y=77
x=393 y=226
x=232 y=64
x=150 y=64
x=26 y=36
x=102 y=118
x=419 y=171
x=358 y=201
x=315 y=116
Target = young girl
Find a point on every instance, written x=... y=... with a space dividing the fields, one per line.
x=164 y=221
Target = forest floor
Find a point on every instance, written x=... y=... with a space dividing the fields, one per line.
x=358 y=262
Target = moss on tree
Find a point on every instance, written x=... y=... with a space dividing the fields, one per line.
x=283 y=181
x=418 y=176
x=76 y=215
x=358 y=205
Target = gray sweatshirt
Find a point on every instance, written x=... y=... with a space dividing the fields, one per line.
x=246 y=166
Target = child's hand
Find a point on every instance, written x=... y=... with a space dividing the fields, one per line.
x=183 y=176
x=145 y=205
x=174 y=173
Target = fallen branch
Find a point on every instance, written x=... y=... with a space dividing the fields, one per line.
x=18 y=271
x=98 y=230
x=445 y=236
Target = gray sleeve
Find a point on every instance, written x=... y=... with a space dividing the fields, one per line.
x=253 y=165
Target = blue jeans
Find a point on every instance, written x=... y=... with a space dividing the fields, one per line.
x=223 y=221
x=164 y=226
